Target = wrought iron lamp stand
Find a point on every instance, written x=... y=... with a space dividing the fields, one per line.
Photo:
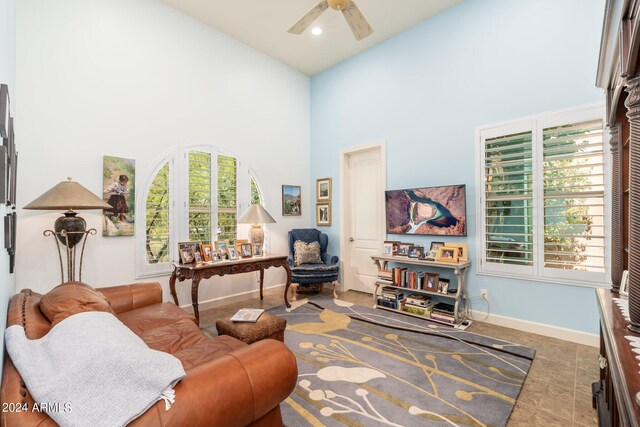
x=63 y=237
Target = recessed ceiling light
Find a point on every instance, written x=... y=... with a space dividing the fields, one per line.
x=316 y=31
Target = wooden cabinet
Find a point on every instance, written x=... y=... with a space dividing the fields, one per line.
x=619 y=75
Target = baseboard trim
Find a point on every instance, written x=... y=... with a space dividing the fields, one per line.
x=558 y=332
x=229 y=299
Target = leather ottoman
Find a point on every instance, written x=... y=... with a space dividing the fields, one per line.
x=267 y=326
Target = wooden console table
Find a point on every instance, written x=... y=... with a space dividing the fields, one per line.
x=197 y=272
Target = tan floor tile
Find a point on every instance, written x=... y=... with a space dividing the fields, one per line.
x=527 y=416
x=548 y=396
x=583 y=412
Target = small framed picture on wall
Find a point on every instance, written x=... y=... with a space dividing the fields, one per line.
x=291 y=200
x=323 y=190
x=323 y=214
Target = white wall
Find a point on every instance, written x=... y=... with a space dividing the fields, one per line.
x=131 y=79
x=7 y=76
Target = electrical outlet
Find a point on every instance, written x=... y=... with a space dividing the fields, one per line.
x=484 y=294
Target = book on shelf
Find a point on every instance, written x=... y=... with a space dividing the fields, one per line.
x=385 y=274
x=389 y=303
x=420 y=300
x=247 y=315
x=442 y=317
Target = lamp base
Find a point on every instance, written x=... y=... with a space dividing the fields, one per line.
x=73 y=225
x=256 y=234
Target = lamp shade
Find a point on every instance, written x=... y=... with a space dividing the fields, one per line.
x=256 y=214
x=68 y=195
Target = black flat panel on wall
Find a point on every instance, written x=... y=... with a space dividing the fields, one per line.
x=4 y=111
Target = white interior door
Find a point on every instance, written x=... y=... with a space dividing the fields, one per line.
x=364 y=231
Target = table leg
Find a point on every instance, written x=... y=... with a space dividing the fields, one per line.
x=286 y=288
x=261 y=282
x=172 y=285
x=335 y=286
x=195 y=283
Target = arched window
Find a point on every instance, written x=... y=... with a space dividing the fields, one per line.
x=195 y=193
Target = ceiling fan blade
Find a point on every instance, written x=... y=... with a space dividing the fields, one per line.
x=359 y=25
x=306 y=20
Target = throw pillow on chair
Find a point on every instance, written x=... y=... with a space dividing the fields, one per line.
x=306 y=253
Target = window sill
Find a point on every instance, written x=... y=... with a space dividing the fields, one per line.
x=549 y=280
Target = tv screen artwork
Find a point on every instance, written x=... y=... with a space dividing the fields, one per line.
x=429 y=211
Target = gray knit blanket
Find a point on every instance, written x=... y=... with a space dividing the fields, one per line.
x=91 y=370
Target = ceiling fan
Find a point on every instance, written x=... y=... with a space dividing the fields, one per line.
x=359 y=25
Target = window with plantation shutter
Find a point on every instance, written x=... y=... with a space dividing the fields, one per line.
x=193 y=194
x=157 y=220
x=227 y=198
x=200 y=212
x=542 y=196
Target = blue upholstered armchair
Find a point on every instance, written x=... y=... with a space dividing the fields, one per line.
x=311 y=274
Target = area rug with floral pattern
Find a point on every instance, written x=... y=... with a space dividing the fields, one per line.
x=358 y=366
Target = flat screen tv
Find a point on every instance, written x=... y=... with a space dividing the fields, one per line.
x=434 y=211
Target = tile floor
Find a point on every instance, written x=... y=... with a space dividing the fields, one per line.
x=557 y=391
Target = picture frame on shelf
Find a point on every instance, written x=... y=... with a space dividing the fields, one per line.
x=433 y=251
x=207 y=248
x=257 y=250
x=447 y=254
x=246 y=250
x=238 y=244
x=216 y=255
x=392 y=246
x=233 y=253
x=323 y=189
x=197 y=257
x=463 y=250
x=431 y=281
x=416 y=251
x=187 y=251
x=323 y=214
x=291 y=200
x=403 y=249
x=624 y=284
x=221 y=246
x=443 y=285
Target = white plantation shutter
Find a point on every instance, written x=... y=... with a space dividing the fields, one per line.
x=199 y=196
x=227 y=198
x=574 y=198
x=543 y=198
x=508 y=189
x=157 y=219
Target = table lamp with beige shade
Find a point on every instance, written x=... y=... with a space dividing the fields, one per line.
x=256 y=215
x=69 y=229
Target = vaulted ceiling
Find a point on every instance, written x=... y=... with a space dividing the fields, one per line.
x=263 y=25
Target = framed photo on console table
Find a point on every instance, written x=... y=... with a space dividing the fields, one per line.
x=187 y=251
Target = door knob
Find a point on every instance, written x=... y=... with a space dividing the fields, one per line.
x=351 y=239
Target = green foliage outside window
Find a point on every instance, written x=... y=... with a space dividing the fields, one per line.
x=157 y=218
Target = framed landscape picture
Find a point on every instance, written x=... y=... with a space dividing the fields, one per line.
x=291 y=200
x=323 y=190
x=118 y=188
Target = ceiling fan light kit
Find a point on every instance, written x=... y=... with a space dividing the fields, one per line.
x=356 y=20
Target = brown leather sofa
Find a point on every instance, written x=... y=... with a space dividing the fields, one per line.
x=228 y=382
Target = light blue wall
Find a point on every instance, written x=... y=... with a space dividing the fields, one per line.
x=427 y=89
x=7 y=76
